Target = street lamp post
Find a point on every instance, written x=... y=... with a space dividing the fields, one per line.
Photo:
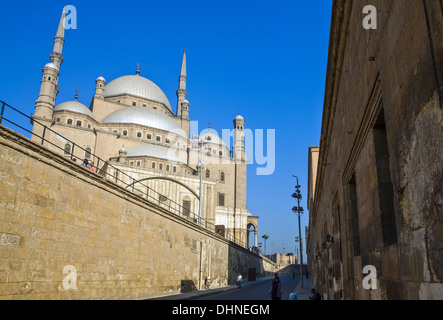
x=200 y=164
x=299 y=211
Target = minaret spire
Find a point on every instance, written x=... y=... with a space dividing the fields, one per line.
x=44 y=106
x=56 y=55
x=181 y=92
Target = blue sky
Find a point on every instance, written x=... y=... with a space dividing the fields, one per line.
x=266 y=58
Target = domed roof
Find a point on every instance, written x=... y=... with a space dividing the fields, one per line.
x=136 y=86
x=239 y=117
x=212 y=138
x=147 y=117
x=51 y=65
x=155 y=151
x=74 y=106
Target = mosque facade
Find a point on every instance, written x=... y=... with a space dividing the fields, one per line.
x=132 y=128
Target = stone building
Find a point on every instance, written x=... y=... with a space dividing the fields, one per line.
x=378 y=197
x=131 y=127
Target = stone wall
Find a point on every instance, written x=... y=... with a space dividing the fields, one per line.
x=55 y=216
x=378 y=196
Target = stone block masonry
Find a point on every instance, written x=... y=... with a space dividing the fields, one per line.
x=66 y=233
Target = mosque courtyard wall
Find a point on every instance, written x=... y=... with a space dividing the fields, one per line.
x=68 y=233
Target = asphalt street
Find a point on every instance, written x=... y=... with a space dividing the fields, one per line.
x=256 y=291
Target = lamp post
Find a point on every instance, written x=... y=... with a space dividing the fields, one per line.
x=266 y=237
x=200 y=144
x=299 y=211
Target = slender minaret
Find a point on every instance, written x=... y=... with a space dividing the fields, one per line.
x=45 y=103
x=240 y=172
x=181 y=92
x=239 y=153
x=100 y=83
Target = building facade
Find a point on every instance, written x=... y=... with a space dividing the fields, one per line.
x=375 y=223
x=132 y=128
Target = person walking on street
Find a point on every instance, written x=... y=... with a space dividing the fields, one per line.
x=239 y=280
x=316 y=295
x=276 y=289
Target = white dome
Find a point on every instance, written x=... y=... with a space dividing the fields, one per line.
x=155 y=151
x=74 y=106
x=51 y=65
x=136 y=86
x=147 y=117
x=212 y=138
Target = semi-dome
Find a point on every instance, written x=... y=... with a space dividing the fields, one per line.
x=156 y=151
x=74 y=106
x=137 y=86
x=147 y=117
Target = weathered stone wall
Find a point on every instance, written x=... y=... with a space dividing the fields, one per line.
x=54 y=213
x=380 y=171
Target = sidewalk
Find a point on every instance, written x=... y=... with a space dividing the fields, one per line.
x=305 y=292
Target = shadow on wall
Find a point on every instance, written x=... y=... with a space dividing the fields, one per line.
x=187 y=285
x=241 y=260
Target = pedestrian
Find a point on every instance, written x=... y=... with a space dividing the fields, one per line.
x=85 y=163
x=239 y=280
x=276 y=289
x=316 y=295
x=93 y=168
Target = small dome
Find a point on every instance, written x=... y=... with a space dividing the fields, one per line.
x=145 y=117
x=186 y=101
x=239 y=117
x=100 y=79
x=51 y=65
x=212 y=138
x=136 y=86
x=74 y=106
x=155 y=151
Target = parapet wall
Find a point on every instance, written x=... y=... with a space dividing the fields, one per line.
x=66 y=233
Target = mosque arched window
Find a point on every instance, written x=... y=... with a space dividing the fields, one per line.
x=208 y=173
x=67 y=149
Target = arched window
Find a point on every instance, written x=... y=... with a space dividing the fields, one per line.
x=125 y=132
x=186 y=203
x=222 y=177
x=69 y=121
x=67 y=149
x=208 y=173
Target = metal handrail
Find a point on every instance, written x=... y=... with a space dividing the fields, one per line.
x=157 y=199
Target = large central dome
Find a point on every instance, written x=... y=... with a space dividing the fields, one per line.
x=145 y=117
x=136 y=86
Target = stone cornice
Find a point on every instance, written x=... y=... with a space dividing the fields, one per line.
x=341 y=11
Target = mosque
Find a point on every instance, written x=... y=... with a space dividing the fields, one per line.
x=131 y=124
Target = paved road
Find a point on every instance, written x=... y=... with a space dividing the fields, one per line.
x=256 y=291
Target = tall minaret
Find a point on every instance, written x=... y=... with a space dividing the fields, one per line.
x=181 y=92
x=240 y=173
x=44 y=105
x=239 y=153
